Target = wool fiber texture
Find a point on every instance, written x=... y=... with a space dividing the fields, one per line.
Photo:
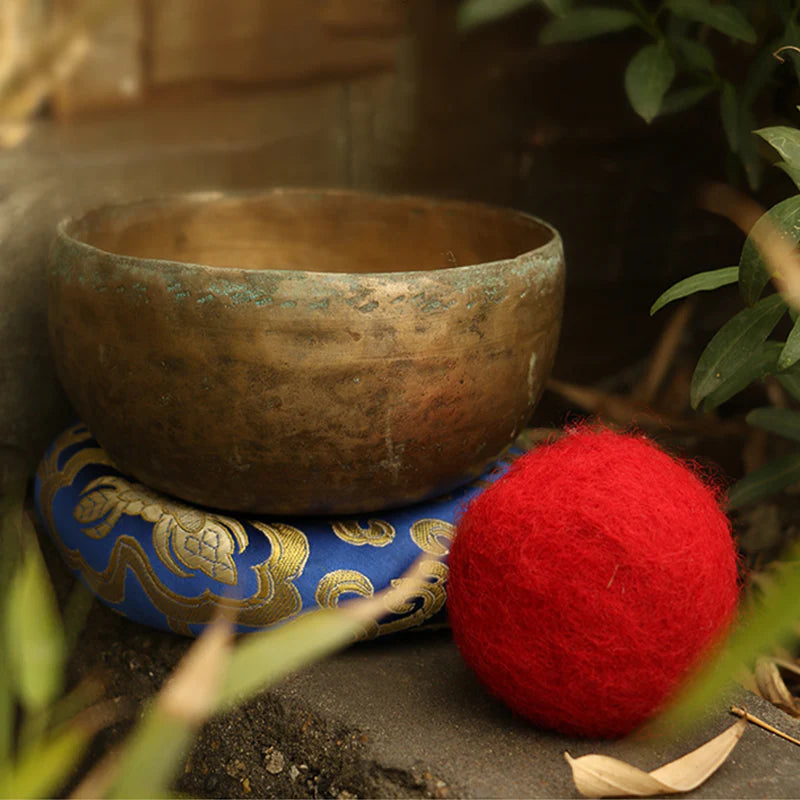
x=587 y=582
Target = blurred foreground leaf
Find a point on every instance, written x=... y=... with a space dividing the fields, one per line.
x=213 y=677
x=701 y=282
x=262 y=659
x=766 y=623
x=754 y=274
x=34 y=637
x=44 y=768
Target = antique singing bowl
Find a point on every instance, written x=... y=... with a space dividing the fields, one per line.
x=304 y=352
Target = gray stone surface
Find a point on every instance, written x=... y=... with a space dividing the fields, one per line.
x=424 y=712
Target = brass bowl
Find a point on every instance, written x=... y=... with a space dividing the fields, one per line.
x=304 y=352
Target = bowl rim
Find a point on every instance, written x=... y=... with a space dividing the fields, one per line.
x=552 y=248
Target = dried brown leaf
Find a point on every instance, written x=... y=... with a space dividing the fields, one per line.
x=772 y=687
x=603 y=776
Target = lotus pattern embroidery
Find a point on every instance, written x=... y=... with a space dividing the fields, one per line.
x=183 y=537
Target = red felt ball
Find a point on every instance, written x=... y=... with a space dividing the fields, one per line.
x=587 y=581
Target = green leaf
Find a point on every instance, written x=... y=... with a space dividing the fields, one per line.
x=42 y=770
x=647 y=78
x=768 y=480
x=790 y=380
x=34 y=635
x=753 y=273
x=749 y=155
x=558 y=8
x=759 y=73
x=262 y=659
x=682 y=99
x=724 y=18
x=734 y=346
x=729 y=114
x=783 y=421
x=701 y=282
x=11 y=546
x=757 y=366
x=696 y=55
x=785 y=140
x=474 y=13
x=153 y=755
x=791 y=350
x=586 y=23
x=770 y=622
x=792 y=172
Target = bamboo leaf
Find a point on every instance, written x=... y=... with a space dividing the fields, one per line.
x=790 y=354
x=753 y=272
x=34 y=635
x=729 y=114
x=785 y=140
x=783 y=421
x=586 y=23
x=603 y=776
x=264 y=658
x=158 y=745
x=769 y=479
x=701 y=282
x=41 y=771
x=682 y=99
x=11 y=546
x=474 y=13
x=724 y=18
x=647 y=78
x=734 y=347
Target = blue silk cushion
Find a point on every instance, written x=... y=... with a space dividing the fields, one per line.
x=170 y=565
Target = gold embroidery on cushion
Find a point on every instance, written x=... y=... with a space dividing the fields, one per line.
x=200 y=540
x=275 y=596
x=432 y=594
x=339 y=582
x=286 y=563
x=428 y=534
x=342 y=581
x=377 y=533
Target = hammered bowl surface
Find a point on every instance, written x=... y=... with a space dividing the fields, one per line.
x=304 y=351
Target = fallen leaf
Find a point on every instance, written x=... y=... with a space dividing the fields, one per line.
x=603 y=776
x=772 y=687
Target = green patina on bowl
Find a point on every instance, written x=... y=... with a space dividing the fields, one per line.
x=304 y=352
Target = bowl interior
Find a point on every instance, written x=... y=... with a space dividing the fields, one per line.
x=320 y=231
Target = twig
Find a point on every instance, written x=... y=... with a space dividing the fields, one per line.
x=663 y=355
x=740 y=712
